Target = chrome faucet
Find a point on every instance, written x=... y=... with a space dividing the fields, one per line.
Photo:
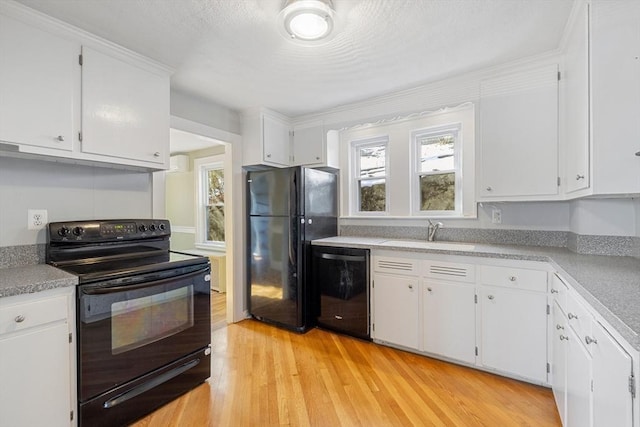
x=432 y=228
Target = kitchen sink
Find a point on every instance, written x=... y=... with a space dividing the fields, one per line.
x=421 y=244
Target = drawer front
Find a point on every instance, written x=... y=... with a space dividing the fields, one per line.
x=404 y=266
x=450 y=271
x=29 y=314
x=512 y=277
x=580 y=319
x=559 y=291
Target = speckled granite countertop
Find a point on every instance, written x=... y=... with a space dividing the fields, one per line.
x=611 y=284
x=33 y=278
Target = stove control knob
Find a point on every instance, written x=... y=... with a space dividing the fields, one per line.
x=78 y=231
x=152 y=227
x=142 y=228
x=161 y=226
x=63 y=231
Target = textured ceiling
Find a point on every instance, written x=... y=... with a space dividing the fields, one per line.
x=231 y=52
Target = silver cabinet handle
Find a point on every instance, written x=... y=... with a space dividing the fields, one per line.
x=317 y=158
x=638 y=153
x=558 y=327
x=562 y=338
x=590 y=340
x=489 y=188
x=572 y=316
x=579 y=177
x=156 y=154
x=19 y=318
x=512 y=278
x=490 y=297
x=554 y=291
x=268 y=156
x=410 y=286
x=60 y=138
x=429 y=289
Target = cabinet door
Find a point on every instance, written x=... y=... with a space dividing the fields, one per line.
x=559 y=343
x=125 y=109
x=39 y=86
x=275 y=140
x=308 y=145
x=396 y=310
x=514 y=331
x=35 y=377
x=615 y=95
x=519 y=135
x=575 y=80
x=612 y=368
x=449 y=320
x=578 y=383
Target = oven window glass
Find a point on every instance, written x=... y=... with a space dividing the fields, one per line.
x=140 y=321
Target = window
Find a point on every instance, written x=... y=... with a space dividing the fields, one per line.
x=210 y=225
x=370 y=184
x=437 y=178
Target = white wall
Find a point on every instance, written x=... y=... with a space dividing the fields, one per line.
x=637 y=205
x=608 y=217
x=205 y=112
x=67 y=192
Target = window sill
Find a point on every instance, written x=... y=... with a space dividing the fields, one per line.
x=213 y=248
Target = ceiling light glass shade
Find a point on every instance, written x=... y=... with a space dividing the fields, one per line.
x=307 y=20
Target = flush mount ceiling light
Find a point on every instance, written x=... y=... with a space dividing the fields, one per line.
x=307 y=21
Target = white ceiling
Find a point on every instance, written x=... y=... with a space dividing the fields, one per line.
x=231 y=52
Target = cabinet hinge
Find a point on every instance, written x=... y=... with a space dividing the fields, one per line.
x=71 y=415
x=80 y=136
x=591 y=385
x=373 y=327
x=475 y=298
x=373 y=283
x=70 y=337
x=632 y=386
x=548 y=368
x=476 y=350
x=558 y=181
x=548 y=309
x=559 y=75
x=80 y=59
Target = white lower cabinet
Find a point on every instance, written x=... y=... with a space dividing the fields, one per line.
x=396 y=310
x=37 y=368
x=592 y=372
x=514 y=331
x=449 y=320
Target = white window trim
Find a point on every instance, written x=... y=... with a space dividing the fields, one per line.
x=354 y=173
x=199 y=165
x=454 y=128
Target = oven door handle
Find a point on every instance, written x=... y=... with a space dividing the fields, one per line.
x=104 y=290
x=336 y=257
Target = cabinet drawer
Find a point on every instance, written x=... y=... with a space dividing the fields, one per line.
x=451 y=271
x=512 y=277
x=580 y=319
x=559 y=291
x=29 y=314
x=405 y=266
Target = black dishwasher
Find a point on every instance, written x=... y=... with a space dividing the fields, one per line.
x=341 y=279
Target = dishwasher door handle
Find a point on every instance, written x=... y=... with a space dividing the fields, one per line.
x=334 y=257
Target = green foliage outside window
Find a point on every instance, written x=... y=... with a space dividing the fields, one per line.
x=215 y=205
x=438 y=192
x=373 y=196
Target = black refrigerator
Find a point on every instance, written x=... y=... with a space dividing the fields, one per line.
x=287 y=208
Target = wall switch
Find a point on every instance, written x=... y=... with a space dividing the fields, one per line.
x=496 y=216
x=36 y=219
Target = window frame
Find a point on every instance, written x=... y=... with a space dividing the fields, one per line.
x=354 y=192
x=430 y=132
x=201 y=167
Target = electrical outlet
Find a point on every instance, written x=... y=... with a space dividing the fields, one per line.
x=36 y=219
x=496 y=216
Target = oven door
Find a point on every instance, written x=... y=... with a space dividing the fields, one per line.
x=130 y=326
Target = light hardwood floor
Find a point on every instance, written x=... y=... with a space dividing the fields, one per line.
x=265 y=376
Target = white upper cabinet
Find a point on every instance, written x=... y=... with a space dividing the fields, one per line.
x=266 y=138
x=519 y=136
x=39 y=86
x=575 y=104
x=615 y=96
x=125 y=109
x=110 y=106
x=314 y=146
